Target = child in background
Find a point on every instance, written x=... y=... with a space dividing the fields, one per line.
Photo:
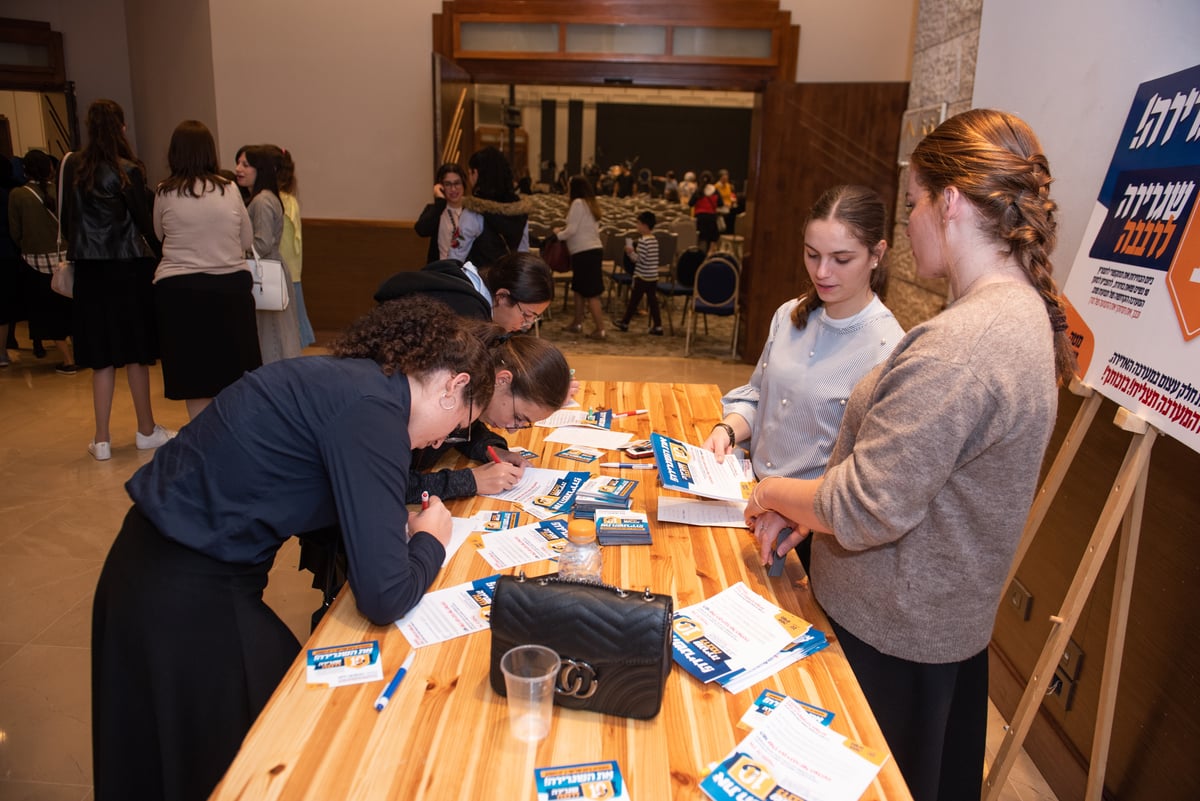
x=645 y=278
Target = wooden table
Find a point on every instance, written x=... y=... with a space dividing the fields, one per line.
x=444 y=735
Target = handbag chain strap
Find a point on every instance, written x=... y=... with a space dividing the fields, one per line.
x=620 y=593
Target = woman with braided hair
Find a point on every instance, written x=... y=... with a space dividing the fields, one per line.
x=936 y=463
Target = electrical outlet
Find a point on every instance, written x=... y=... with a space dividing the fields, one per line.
x=1019 y=600
x=1072 y=660
x=1062 y=689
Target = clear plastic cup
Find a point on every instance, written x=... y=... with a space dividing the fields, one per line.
x=529 y=675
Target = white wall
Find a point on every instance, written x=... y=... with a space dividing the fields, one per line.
x=1070 y=69
x=345 y=87
x=854 y=40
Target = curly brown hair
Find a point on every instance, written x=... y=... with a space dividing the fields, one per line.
x=418 y=336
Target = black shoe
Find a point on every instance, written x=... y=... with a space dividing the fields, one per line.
x=621 y=326
x=656 y=332
x=39 y=350
x=66 y=369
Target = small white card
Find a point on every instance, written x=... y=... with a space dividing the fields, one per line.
x=342 y=665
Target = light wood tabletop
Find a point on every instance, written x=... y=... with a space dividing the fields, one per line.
x=445 y=733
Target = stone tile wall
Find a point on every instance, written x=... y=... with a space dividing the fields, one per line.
x=943 y=71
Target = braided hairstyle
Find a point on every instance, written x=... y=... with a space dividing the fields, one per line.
x=862 y=212
x=540 y=373
x=994 y=159
x=418 y=336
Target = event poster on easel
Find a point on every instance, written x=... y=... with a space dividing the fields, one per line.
x=1134 y=288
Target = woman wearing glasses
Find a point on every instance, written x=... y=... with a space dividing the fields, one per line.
x=512 y=293
x=450 y=227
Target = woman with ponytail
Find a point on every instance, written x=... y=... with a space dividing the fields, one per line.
x=918 y=516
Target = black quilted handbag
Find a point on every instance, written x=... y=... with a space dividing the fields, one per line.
x=615 y=644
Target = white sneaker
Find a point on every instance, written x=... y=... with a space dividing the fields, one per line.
x=160 y=436
x=100 y=451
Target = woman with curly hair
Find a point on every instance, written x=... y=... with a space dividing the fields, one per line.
x=185 y=653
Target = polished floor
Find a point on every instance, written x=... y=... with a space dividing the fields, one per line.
x=59 y=511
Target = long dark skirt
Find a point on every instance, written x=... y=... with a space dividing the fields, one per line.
x=185 y=654
x=587 y=273
x=114 y=313
x=207 y=332
x=933 y=716
x=49 y=312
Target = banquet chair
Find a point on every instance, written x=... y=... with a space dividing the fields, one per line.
x=680 y=284
x=715 y=292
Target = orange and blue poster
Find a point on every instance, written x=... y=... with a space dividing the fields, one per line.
x=1134 y=288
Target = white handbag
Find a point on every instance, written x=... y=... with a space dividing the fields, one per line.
x=270 y=282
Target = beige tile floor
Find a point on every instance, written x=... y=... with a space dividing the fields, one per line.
x=59 y=511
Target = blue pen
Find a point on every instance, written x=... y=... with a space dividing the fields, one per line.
x=386 y=695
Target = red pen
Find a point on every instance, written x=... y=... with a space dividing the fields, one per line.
x=424 y=499
x=632 y=413
x=492 y=453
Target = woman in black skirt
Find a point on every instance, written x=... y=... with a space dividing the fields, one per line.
x=185 y=653
x=33 y=224
x=110 y=237
x=203 y=298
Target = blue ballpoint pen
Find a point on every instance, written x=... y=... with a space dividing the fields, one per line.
x=386 y=695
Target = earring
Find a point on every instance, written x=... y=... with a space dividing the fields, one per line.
x=447 y=397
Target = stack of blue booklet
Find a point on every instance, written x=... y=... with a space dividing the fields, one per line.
x=603 y=492
x=622 y=528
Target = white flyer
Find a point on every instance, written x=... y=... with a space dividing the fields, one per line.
x=452 y=612
x=691 y=512
x=524 y=544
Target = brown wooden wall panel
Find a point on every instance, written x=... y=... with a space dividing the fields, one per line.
x=814 y=136
x=1156 y=734
x=345 y=261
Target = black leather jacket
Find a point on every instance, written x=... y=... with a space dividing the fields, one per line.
x=110 y=221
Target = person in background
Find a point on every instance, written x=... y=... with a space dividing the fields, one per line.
x=818 y=346
x=728 y=199
x=258 y=171
x=512 y=293
x=582 y=235
x=505 y=213
x=203 y=287
x=919 y=513
x=687 y=188
x=11 y=271
x=291 y=248
x=110 y=237
x=704 y=202
x=671 y=187
x=33 y=225
x=185 y=652
x=451 y=228
x=644 y=253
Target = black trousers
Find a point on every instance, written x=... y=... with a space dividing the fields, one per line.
x=185 y=654
x=933 y=716
x=648 y=289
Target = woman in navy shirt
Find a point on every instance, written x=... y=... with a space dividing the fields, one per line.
x=185 y=653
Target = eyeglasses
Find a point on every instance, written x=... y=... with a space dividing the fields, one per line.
x=452 y=184
x=517 y=424
x=529 y=317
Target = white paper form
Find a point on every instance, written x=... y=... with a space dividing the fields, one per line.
x=692 y=469
x=524 y=544
x=701 y=513
x=448 y=613
x=589 y=437
x=545 y=493
x=733 y=630
x=797 y=754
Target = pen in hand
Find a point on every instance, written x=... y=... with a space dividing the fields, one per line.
x=386 y=695
x=492 y=453
x=424 y=499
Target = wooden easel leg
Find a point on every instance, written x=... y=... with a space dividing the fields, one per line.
x=1137 y=457
x=1058 y=471
x=1117 y=624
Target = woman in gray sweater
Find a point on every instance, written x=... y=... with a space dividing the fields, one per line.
x=936 y=462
